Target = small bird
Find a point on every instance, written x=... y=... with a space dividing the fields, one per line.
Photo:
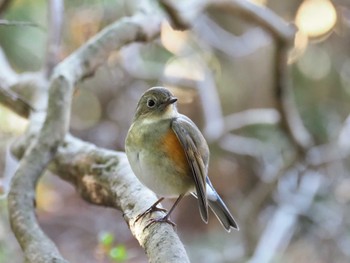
x=170 y=156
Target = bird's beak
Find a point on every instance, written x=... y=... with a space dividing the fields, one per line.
x=172 y=100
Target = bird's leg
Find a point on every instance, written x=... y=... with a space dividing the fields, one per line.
x=152 y=209
x=166 y=219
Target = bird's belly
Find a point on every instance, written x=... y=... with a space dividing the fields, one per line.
x=160 y=175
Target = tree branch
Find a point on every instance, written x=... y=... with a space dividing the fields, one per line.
x=35 y=244
x=15 y=102
x=104 y=177
x=182 y=15
x=4 y=22
x=55 y=18
x=117 y=187
x=290 y=119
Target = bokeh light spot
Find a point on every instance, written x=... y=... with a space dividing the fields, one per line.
x=316 y=18
x=173 y=40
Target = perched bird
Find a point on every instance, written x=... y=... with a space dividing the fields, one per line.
x=170 y=156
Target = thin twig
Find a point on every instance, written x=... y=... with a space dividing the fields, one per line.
x=18 y=23
x=290 y=119
x=15 y=102
x=55 y=18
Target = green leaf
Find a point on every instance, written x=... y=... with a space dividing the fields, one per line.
x=118 y=253
x=106 y=238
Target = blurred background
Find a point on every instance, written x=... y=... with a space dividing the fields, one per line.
x=291 y=206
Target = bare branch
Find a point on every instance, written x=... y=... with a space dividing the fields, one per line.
x=182 y=15
x=8 y=79
x=55 y=17
x=117 y=187
x=104 y=177
x=35 y=244
x=15 y=102
x=18 y=23
x=290 y=119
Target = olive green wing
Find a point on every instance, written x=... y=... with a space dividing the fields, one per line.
x=197 y=154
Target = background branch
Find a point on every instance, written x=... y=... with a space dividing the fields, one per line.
x=15 y=102
x=182 y=15
x=55 y=22
x=282 y=33
x=290 y=119
x=229 y=71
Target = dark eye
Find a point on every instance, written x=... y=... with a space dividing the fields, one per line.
x=151 y=103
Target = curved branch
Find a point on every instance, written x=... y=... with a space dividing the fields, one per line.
x=35 y=244
x=291 y=121
x=104 y=177
x=116 y=186
x=183 y=15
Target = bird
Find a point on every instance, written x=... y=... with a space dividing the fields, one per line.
x=170 y=156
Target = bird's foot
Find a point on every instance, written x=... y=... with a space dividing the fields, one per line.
x=164 y=219
x=152 y=209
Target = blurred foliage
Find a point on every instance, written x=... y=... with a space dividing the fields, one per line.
x=240 y=61
x=107 y=246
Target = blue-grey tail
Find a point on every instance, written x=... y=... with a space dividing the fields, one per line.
x=219 y=208
x=223 y=214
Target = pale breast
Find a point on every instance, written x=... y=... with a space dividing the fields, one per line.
x=158 y=160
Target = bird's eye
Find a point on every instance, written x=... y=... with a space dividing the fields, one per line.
x=151 y=103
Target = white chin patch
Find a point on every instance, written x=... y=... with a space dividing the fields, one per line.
x=169 y=113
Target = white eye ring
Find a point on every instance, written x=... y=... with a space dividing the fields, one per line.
x=151 y=103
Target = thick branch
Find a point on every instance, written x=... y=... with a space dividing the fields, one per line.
x=37 y=247
x=104 y=177
x=35 y=244
x=119 y=188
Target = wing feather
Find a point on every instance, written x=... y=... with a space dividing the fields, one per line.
x=197 y=158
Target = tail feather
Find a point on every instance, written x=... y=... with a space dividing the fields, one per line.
x=219 y=208
x=223 y=214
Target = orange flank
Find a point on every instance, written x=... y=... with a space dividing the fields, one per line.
x=171 y=144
